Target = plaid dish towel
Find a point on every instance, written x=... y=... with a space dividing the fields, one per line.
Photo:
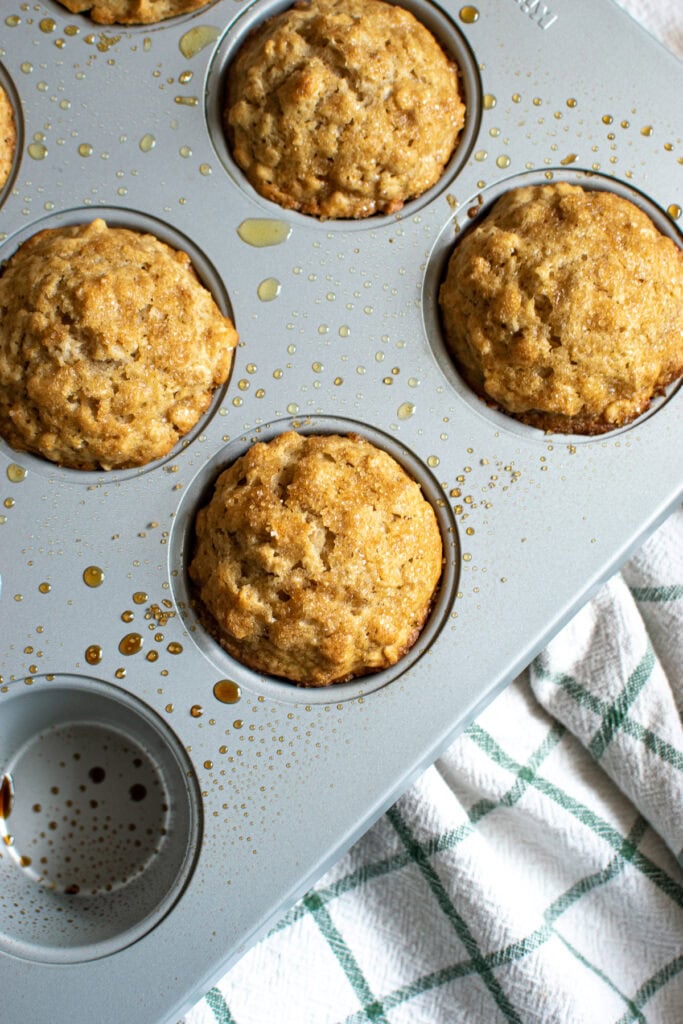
x=533 y=874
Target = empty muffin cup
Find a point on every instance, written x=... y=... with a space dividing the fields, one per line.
x=99 y=820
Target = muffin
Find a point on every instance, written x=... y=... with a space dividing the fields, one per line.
x=131 y=12
x=342 y=108
x=110 y=347
x=564 y=308
x=8 y=137
x=316 y=559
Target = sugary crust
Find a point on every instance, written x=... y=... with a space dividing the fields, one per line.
x=564 y=307
x=110 y=347
x=343 y=108
x=8 y=136
x=131 y=12
x=317 y=558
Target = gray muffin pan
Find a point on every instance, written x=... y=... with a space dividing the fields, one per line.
x=150 y=830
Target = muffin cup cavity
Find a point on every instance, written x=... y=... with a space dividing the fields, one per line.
x=181 y=549
x=447 y=35
x=210 y=280
x=472 y=212
x=100 y=820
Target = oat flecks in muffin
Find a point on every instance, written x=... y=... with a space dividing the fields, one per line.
x=131 y=12
x=564 y=308
x=317 y=558
x=343 y=108
x=8 y=137
x=110 y=347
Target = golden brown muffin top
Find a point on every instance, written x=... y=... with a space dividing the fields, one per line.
x=110 y=347
x=343 y=108
x=317 y=558
x=8 y=137
x=564 y=306
x=131 y=12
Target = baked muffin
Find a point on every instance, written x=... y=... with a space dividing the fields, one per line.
x=317 y=558
x=8 y=137
x=564 y=308
x=342 y=108
x=110 y=347
x=131 y=12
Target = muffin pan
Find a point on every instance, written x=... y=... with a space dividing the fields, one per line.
x=162 y=804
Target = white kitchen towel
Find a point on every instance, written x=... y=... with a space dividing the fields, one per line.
x=532 y=874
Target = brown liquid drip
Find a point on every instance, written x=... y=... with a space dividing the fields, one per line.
x=6 y=796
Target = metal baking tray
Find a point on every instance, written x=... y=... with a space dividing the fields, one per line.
x=155 y=831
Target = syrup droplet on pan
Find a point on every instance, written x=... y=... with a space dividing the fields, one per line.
x=131 y=643
x=6 y=796
x=93 y=576
x=269 y=289
x=197 y=39
x=226 y=691
x=16 y=473
x=263 y=231
x=469 y=14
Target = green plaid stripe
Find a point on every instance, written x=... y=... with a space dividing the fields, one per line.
x=650 y=740
x=218 y=1005
x=597 y=825
x=670 y=593
x=617 y=711
x=419 y=853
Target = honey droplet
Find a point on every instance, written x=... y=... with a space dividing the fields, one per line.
x=489 y=101
x=569 y=159
x=169 y=708
x=139 y=597
x=47 y=25
x=37 y=151
x=226 y=691
x=175 y=648
x=405 y=410
x=131 y=643
x=269 y=289
x=647 y=130
x=469 y=14
x=44 y=587
x=15 y=473
x=503 y=161
x=127 y=616
x=147 y=142
x=93 y=654
x=85 y=149
x=6 y=796
x=196 y=711
x=208 y=765
x=238 y=723
x=13 y=20
x=674 y=211
x=194 y=41
x=93 y=576
x=262 y=231
x=120 y=673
